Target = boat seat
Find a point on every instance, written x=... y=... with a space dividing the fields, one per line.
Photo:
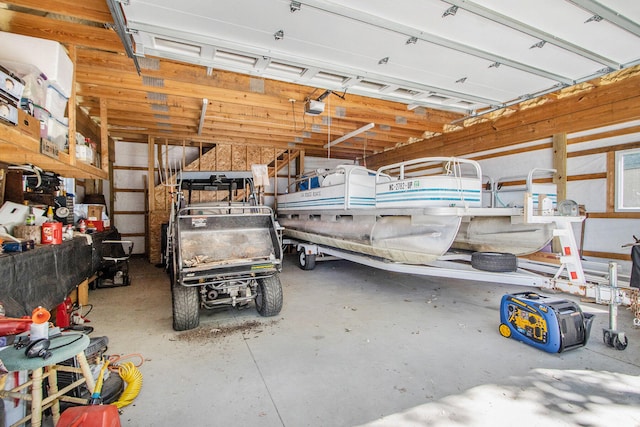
x=333 y=179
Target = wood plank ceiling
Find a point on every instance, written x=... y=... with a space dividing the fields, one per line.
x=256 y=103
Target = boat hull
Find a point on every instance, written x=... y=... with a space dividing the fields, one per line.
x=500 y=234
x=397 y=238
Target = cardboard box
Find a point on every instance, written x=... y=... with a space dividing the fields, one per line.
x=94 y=213
x=97 y=225
x=28 y=232
x=28 y=125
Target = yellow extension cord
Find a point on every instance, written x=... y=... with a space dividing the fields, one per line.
x=133 y=377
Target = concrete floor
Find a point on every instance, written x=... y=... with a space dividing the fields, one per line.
x=358 y=346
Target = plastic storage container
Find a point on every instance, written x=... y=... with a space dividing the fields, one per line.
x=49 y=56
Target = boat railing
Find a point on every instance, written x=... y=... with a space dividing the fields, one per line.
x=450 y=166
x=530 y=186
x=490 y=188
x=307 y=181
x=321 y=178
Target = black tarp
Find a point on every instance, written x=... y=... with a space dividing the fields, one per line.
x=44 y=276
x=635 y=266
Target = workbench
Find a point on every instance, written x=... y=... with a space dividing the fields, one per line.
x=46 y=275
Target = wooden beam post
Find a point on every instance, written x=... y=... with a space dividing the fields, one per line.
x=104 y=155
x=300 y=163
x=611 y=181
x=71 y=108
x=151 y=174
x=560 y=164
x=104 y=136
x=560 y=177
x=275 y=179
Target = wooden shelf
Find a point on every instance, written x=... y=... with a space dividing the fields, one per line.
x=17 y=148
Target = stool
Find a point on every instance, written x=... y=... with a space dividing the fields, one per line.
x=63 y=347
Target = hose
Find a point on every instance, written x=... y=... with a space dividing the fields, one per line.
x=95 y=397
x=133 y=377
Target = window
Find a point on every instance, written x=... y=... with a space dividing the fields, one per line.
x=628 y=181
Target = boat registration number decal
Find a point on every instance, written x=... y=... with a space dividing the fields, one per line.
x=198 y=222
x=404 y=185
x=311 y=194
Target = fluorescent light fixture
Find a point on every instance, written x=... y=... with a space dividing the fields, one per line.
x=205 y=102
x=349 y=135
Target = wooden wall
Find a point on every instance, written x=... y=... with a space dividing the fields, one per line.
x=224 y=157
x=583 y=108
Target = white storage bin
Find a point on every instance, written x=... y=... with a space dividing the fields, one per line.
x=84 y=153
x=12 y=214
x=48 y=55
x=43 y=116
x=35 y=83
x=58 y=133
x=56 y=103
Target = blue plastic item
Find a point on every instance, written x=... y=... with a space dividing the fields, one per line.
x=547 y=323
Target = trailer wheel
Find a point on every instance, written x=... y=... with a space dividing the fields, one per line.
x=186 y=307
x=306 y=261
x=620 y=340
x=498 y=262
x=269 y=296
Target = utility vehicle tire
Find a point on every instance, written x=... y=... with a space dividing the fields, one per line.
x=498 y=262
x=306 y=261
x=269 y=296
x=186 y=307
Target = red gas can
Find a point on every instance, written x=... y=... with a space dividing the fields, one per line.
x=63 y=313
x=90 y=416
x=51 y=233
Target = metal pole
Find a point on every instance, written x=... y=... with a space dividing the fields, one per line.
x=613 y=304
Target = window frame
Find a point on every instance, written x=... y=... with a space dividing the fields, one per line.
x=619 y=181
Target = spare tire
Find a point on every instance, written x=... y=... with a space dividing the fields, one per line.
x=498 y=262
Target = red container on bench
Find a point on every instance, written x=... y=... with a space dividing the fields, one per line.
x=51 y=233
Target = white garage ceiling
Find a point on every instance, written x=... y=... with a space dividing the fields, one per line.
x=457 y=55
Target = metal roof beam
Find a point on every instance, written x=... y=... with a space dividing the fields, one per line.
x=534 y=32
